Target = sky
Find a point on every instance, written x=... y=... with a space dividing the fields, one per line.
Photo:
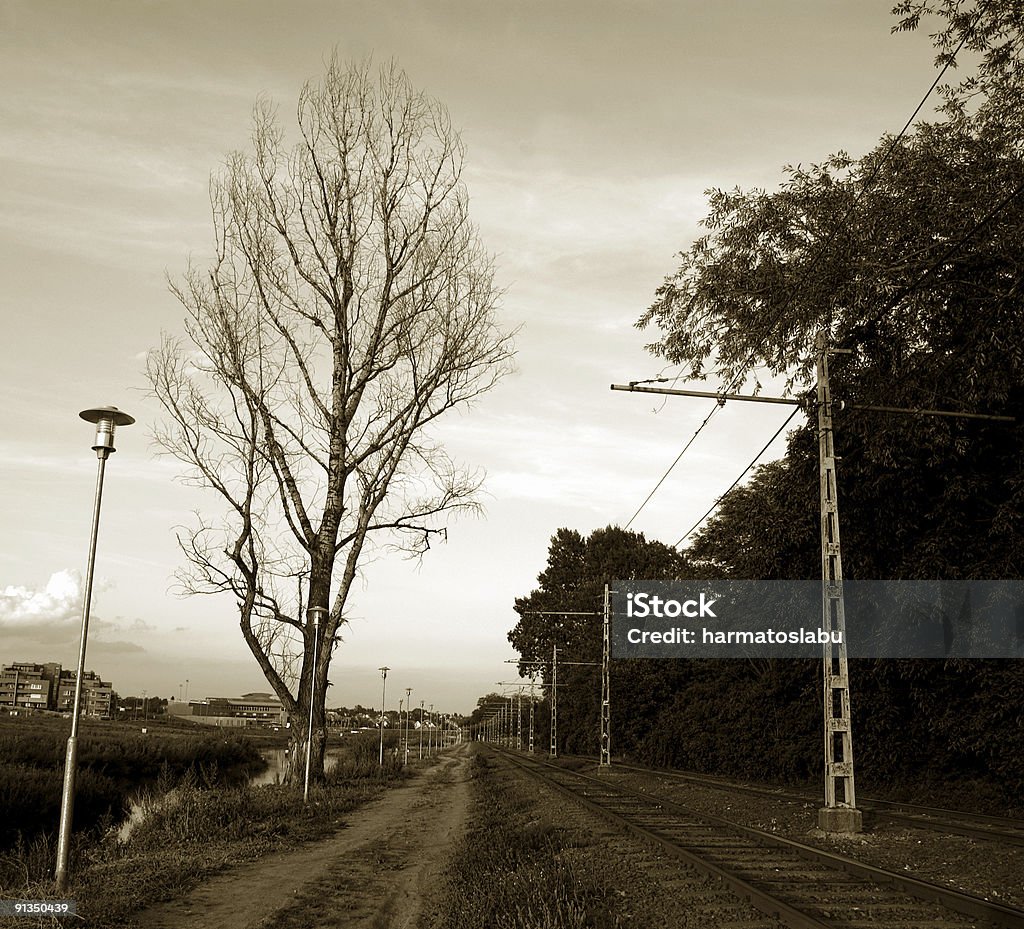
x=592 y=131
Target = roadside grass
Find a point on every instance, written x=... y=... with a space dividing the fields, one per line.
x=199 y=830
x=514 y=870
x=116 y=761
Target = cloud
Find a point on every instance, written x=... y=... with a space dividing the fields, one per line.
x=51 y=617
x=59 y=602
x=119 y=647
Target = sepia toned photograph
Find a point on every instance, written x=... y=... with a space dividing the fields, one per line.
x=512 y=466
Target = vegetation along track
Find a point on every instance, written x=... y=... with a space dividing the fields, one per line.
x=800 y=885
x=951 y=822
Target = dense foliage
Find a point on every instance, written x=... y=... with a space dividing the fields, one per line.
x=910 y=258
x=574 y=579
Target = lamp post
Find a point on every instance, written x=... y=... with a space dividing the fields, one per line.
x=408 y=712
x=383 y=703
x=107 y=419
x=421 y=730
x=314 y=612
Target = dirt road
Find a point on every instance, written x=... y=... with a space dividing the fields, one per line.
x=378 y=872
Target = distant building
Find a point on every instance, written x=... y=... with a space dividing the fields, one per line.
x=26 y=685
x=255 y=709
x=96 y=694
x=30 y=686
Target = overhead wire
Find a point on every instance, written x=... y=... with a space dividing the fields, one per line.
x=909 y=289
x=671 y=466
x=743 y=474
x=735 y=382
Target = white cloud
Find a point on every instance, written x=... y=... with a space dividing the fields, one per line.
x=50 y=617
x=59 y=602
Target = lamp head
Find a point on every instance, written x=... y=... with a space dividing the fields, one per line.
x=107 y=419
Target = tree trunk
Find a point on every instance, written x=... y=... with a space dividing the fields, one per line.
x=295 y=770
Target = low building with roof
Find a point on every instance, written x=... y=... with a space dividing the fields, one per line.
x=253 y=709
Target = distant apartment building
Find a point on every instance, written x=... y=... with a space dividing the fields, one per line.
x=96 y=694
x=255 y=709
x=26 y=685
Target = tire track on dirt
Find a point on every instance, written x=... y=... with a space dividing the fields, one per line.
x=376 y=872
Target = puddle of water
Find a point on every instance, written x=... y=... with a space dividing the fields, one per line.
x=277 y=760
x=141 y=809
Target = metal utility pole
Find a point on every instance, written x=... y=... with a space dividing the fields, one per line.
x=107 y=419
x=532 y=702
x=519 y=720
x=553 y=752
x=606 y=694
x=554 y=702
x=383 y=703
x=421 y=730
x=840 y=813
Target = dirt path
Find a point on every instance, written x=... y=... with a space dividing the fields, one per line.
x=379 y=872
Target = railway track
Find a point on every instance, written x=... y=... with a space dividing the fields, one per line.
x=935 y=819
x=802 y=886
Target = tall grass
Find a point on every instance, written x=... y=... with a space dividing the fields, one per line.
x=515 y=871
x=196 y=811
x=114 y=763
x=191 y=828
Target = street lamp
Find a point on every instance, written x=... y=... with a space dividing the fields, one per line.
x=107 y=419
x=408 y=710
x=383 y=703
x=421 y=730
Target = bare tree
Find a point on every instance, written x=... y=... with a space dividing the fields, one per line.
x=350 y=304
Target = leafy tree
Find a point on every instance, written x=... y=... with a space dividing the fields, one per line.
x=990 y=98
x=909 y=256
x=349 y=306
x=573 y=580
x=766 y=529
x=484 y=708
